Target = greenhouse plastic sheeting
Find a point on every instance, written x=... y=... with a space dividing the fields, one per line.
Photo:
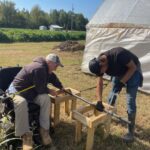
x=120 y=23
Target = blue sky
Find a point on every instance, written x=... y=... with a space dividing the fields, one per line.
x=86 y=7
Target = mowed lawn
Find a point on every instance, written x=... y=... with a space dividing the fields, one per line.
x=71 y=76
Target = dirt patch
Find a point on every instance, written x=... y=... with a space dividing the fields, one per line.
x=69 y=46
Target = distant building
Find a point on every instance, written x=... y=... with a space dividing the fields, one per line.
x=42 y=28
x=55 y=27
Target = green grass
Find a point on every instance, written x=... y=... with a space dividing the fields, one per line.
x=71 y=76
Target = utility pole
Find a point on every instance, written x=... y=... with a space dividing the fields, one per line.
x=72 y=12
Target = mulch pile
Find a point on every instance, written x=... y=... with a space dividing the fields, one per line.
x=69 y=46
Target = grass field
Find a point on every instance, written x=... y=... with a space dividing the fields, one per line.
x=71 y=76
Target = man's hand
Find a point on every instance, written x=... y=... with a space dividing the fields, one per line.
x=67 y=91
x=64 y=91
x=53 y=92
x=99 y=106
x=118 y=87
x=61 y=91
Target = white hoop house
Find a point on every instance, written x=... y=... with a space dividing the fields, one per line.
x=123 y=23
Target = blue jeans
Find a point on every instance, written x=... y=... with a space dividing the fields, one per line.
x=131 y=92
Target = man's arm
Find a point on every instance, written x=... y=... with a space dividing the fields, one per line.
x=55 y=81
x=131 y=69
x=99 y=88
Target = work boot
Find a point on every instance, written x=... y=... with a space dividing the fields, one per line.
x=46 y=139
x=27 y=141
x=129 y=137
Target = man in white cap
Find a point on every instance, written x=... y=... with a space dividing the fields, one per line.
x=39 y=73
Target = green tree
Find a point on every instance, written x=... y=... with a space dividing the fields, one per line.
x=80 y=22
x=7 y=13
x=54 y=17
x=26 y=15
x=63 y=18
x=11 y=17
x=38 y=17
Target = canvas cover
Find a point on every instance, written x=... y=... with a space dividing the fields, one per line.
x=123 y=23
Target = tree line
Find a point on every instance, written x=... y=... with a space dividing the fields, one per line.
x=11 y=17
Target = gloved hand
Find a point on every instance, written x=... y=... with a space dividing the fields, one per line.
x=118 y=87
x=99 y=106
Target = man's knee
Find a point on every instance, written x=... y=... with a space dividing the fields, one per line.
x=44 y=99
x=20 y=102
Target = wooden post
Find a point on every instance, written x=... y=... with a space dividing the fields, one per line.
x=78 y=131
x=67 y=111
x=90 y=138
x=56 y=113
x=63 y=98
x=91 y=122
x=74 y=103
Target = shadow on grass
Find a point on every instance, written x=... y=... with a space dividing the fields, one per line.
x=140 y=133
x=64 y=136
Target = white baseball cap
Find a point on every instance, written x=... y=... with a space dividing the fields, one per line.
x=54 y=58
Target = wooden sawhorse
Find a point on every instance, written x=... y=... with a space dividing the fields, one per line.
x=56 y=101
x=91 y=122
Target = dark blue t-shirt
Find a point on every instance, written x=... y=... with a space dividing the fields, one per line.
x=118 y=58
